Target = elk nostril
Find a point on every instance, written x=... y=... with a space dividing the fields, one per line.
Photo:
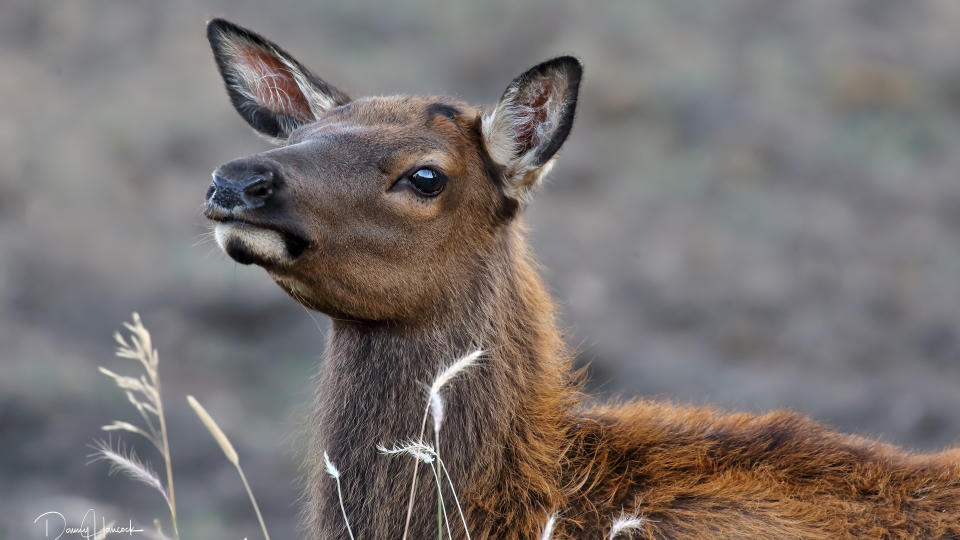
x=239 y=185
x=259 y=189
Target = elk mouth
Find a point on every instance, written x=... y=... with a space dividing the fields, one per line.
x=263 y=244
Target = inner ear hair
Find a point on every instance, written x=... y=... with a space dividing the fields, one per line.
x=268 y=87
x=532 y=120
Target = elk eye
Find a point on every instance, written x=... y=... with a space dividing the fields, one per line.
x=427 y=181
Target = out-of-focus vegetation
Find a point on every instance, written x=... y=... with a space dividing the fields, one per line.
x=759 y=206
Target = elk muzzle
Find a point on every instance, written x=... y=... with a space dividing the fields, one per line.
x=244 y=200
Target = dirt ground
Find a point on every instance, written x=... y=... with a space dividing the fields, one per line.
x=758 y=207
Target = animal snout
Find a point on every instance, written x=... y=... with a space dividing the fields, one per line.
x=242 y=185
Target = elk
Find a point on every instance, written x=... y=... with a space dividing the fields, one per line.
x=400 y=218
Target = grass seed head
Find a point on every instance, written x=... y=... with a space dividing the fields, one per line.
x=214 y=430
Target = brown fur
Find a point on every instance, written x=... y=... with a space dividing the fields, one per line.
x=413 y=282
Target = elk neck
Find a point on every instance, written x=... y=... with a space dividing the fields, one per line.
x=510 y=407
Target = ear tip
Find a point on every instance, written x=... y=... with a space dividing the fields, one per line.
x=218 y=23
x=568 y=64
x=216 y=27
x=219 y=28
x=566 y=60
x=570 y=60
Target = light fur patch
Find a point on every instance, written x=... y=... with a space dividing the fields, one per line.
x=266 y=244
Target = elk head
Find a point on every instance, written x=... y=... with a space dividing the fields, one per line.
x=376 y=208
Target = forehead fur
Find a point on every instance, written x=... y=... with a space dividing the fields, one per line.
x=403 y=123
x=404 y=110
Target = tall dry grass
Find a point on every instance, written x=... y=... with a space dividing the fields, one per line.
x=230 y=454
x=143 y=393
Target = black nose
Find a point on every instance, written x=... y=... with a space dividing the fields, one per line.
x=242 y=185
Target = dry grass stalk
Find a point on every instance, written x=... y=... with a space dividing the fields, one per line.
x=442 y=518
x=144 y=394
x=626 y=523
x=427 y=454
x=334 y=472
x=214 y=430
x=117 y=425
x=548 y=527
x=128 y=464
x=435 y=404
x=229 y=452
x=423 y=452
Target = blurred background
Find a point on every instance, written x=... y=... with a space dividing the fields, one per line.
x=759 y=207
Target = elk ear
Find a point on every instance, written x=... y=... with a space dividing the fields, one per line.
x=271 y=90
x=531 y=121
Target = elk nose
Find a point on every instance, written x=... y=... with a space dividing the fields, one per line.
x=241 y=186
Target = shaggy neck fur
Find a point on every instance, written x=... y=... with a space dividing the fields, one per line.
x=520 y=445
x=504 y=422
